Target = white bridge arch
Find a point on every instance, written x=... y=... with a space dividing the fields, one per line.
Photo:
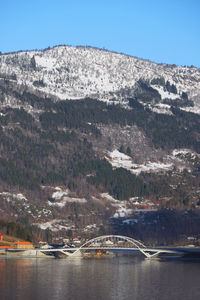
x=100 y=243
x=113 y=238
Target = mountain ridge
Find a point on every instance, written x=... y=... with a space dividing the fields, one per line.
x=97 y=48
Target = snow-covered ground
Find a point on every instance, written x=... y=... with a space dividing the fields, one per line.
x=13 y=197
x=161 y=108
x=53 y=225
x=59 y=193
x=121 y=160
x=194 y=109
x=77 y=72
x=62 y=197
x=108 y=197
x=47 y=63
x=177 y=152
x=165 y=94
x=90 y=227
x=122 y=209
x=184 y=153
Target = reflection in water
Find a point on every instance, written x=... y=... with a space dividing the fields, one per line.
x=116 y=278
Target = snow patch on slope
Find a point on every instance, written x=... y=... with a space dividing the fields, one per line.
x=194 y=109
x=121 y=160
x=165 y=94
x=12 y=196
x=62 y=197
x=122 y=209
x=184 y=153
x=53 y=225
x=161 y=109
x=59 y=193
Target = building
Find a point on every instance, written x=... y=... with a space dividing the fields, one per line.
x=1 y=237
x=23 y=245
x=76 y=240
x=5 y=247
x=108 y=243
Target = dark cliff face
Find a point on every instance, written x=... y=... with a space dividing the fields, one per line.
x=61 y=160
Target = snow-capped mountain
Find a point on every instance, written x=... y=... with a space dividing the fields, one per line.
x=78 y=72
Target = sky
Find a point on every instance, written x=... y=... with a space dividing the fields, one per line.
x=161 y=31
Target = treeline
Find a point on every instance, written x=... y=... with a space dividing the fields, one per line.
x=120 y=183
x=15 y=230
x=146 y=93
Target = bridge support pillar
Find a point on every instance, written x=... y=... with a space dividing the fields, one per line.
x=148 y=255
x=77 y=253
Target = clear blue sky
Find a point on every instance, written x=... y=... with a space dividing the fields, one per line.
x=162 y=31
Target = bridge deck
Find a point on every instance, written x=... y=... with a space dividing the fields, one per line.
x=160 y=250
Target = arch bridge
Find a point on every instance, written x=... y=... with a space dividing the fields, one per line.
x=110 y=243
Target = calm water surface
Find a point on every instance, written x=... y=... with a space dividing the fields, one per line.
x=106 y=278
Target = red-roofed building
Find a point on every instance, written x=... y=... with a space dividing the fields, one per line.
x=76 y=240
x=1 y=237
x=23 y=245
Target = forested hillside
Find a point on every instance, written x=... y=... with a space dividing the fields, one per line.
x=83 y=165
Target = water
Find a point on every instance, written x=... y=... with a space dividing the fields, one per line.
x=121 y=278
